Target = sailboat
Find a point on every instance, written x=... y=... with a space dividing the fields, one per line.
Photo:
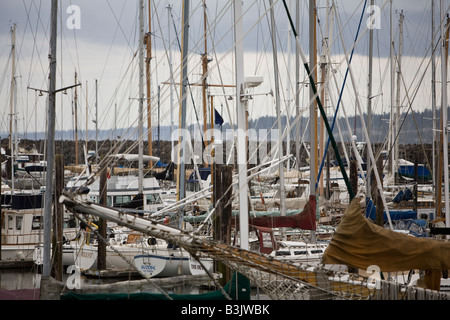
x=281 y=279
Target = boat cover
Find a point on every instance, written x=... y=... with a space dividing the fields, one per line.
x=360 y=243
x=302 y=219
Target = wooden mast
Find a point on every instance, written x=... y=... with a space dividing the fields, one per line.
x=204 y=84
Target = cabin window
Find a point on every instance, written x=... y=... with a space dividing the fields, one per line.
x=153 y=198
x=282 y=253
x=298 y=253
x=96 y=199
x=121 y=200
x=316 y=251
x=36 y=224
x=19 y=220
x=10 y=222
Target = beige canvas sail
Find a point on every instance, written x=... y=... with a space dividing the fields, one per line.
x=360 y=243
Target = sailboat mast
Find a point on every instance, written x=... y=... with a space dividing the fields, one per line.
x=433 y=95
x=369 y=109
x=13 y=86
x=444 y=53
x=181 y=138
x=391 y=126
x=172 y=157
x=48 y=197
x=277 y=102
x=297 y=89
x=399 y=66
x=148 y=43
x=96 y=120
x=12 y=114
x=141 y=97
x=319 y=103
x=75 y=102
x=240 y=114
x=205 y=71
x=312 y=108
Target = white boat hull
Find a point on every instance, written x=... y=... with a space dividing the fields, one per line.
x=151 y=265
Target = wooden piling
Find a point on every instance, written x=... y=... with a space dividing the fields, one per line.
x=101 y=257
x=58 y=217
x=222 y=217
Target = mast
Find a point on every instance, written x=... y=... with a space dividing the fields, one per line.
x=141 y=97
x=240 y=114
x=96 y=120
x=181 y=139
x=76 y=122
x=444 y=53
x=288 y=102
x=324 y=71
x=369 y=110
x=204 y=84
x=87 y=123
x=148 y=43
x=297 y=90
x=391 y=127
x=51 y=141
x=172 y=157
x=433 y=94
x=277 y=101
x=319 y=103
x=399 y=66
x=12 y=100
x=312 y=108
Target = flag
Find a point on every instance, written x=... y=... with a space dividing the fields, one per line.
x=218 y=118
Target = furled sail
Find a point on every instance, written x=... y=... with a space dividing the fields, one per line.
x=360 y=243
x=306 y=220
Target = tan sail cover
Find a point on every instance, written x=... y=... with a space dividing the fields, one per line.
x=360 y=243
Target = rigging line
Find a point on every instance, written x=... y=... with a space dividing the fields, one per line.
x=369 y=148
x=118 y=26
x=76 y=50
x=266 y=50
x=319 y=103
x=411 y=101
x=220 y=73
x=34 y=35
x=34 y=38
x=281 y=84
x=244 y=35
x=340 y=96
x=430 y=47
x=187 y=80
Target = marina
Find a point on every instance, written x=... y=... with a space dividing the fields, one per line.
x=327 y=183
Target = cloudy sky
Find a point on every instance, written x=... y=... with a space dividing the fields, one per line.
x=100 y=41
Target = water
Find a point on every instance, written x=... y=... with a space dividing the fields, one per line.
x=18 y=279
x=22 y=281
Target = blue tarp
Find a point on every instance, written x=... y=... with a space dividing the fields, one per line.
x=403 y=196
x=159 y=164
x=204 y=173
x=394 y=214
x=408 y=171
